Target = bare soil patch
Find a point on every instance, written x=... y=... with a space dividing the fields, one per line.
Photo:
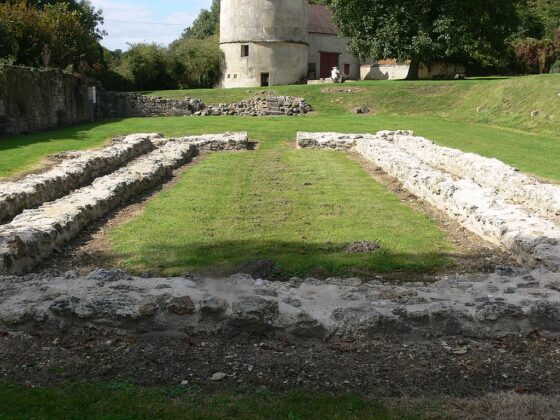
x=385 y=367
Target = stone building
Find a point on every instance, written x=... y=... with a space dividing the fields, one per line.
x=279 y=42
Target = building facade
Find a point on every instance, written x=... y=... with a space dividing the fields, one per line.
x=280 y=42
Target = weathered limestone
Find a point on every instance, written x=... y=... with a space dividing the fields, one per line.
x=36 y=189
x=509 y=301
x=508 y=182
x=261 y=106
x=480 y=209
x=35 y=234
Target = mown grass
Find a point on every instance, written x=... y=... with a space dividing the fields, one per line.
x=238 y=207
x=126 y=401
x=298 y=209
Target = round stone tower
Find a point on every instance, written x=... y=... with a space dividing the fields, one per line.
x=265 y=42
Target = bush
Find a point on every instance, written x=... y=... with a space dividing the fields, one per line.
x=555 y=68
x=535 y=56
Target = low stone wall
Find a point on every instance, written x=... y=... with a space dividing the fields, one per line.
x=482 y=210
x=508 y=302
x=73 y=173
x=126 y=105
x=35 y=234
x=438 y=70
x=262 y=106
x=40 y=99
x=384 y=71
x=508 y=182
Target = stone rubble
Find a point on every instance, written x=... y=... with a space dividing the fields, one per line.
x=508 y=302
x=35 y=234
x=73 y=173
x=261 y=107
x=483 y=210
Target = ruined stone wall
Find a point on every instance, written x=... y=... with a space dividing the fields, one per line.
x=40 y=99
x=126 y=105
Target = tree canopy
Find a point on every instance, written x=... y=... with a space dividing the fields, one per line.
x=56 y=33
x=427 y=30
x=206 y=24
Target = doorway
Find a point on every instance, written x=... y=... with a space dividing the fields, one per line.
x=265 y=79
x=328 y=61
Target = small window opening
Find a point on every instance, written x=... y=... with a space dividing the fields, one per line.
x=244 y=51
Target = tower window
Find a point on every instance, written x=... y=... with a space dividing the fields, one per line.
x=244 y=51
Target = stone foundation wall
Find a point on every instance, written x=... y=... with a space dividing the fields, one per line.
x=510 y=301
x=491 y=209
x=36 y=233
x=80 y=169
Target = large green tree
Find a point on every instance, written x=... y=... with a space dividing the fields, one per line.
x=55 y=33
x=461 y=31
x=206 y=24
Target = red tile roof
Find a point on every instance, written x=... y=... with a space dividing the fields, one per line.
x=320 y=20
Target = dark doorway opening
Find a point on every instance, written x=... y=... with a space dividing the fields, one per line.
x=265 y=79
x=328 y=61
x=347 y=69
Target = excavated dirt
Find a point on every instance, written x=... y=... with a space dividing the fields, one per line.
x=388 y=366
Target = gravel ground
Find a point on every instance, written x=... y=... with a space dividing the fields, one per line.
x=386 y=367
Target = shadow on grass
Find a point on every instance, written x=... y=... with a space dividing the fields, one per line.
x=288 y=259
x=75 y=132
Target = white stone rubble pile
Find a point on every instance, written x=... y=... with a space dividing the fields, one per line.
x=73 y=173
x=37 y=233
x=471 y=196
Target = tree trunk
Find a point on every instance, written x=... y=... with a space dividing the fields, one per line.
x=414 y=69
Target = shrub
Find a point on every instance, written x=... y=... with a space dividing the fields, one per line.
x=555 y=68
x=534 y=55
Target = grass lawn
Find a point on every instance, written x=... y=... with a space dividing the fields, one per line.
x=125 y=401
x=300 y=208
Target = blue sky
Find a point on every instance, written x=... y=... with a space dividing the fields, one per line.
x=174 y=15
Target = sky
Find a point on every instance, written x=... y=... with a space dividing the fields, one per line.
x=160 y=21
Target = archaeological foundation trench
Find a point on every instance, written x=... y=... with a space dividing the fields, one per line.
x=42 y=212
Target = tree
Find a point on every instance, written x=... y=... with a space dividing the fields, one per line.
x=196 y=62
x=146 y=66
x=53 y=34
x=8 y=45
x=206 y=24
x=461 y=31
